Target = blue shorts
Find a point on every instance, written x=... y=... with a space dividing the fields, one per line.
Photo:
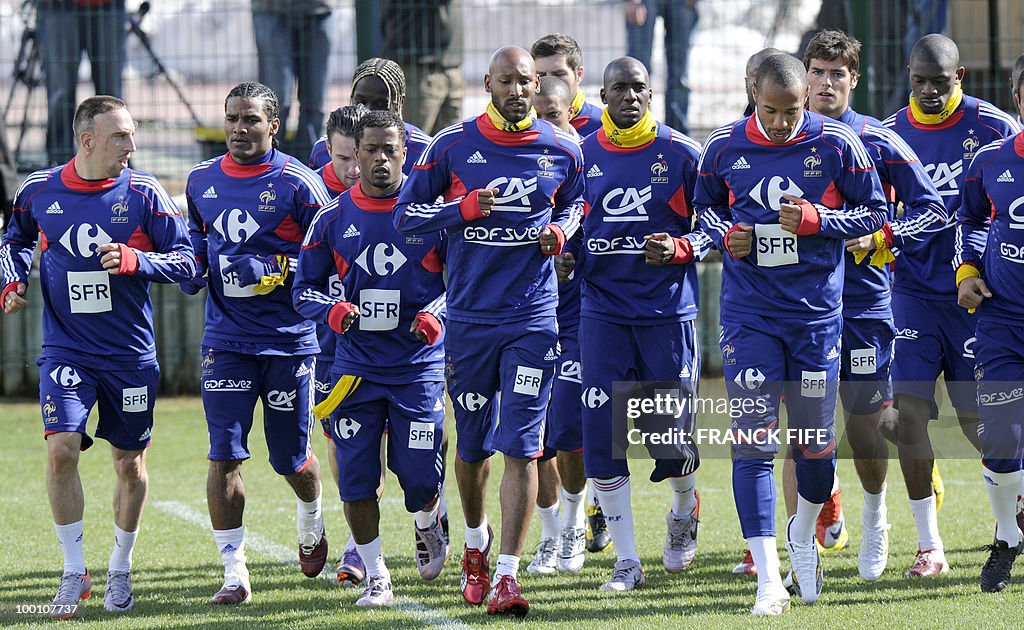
x=68 y=392
x=665 y=354
x=765 y=358
x=564 y=424
x=864 y=383
x=233 y=382
x=516 y=358
x=934 y=337
x=1000 y=373
x=412 y=416
x=322 y=385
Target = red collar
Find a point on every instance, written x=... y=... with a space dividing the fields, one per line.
x=1018 y=144
x=497 y=136
x=372 y=204
x=945 y=124
x=331 y=179
x=754 y=134
x=232 y=168
x=69 y=177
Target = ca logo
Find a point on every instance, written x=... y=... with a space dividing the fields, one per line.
x=514 y=195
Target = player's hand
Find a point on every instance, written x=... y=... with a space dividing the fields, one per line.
x=14 y=299
x=790 y=214
x=659 y=249
x=251 y=269
x=193 y=286
x=486 y=200
x=864 y=243
x=564 y=264
x=548 y=241
x=972 y=292
x=636 y=13
x=118 y=258
x=341 y=316
x=739 y=242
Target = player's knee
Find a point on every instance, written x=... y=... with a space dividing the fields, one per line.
x=130 y=468
x=62 y=453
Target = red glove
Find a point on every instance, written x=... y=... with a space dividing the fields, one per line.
x=430 y=326
x=336 y=318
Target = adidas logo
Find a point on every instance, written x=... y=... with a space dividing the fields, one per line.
x=351 y=231
x=876 y=398
x=550 y=356
x=1006 y=177
x=833 y=353
x=476 y=158
x=54 y=209
x=210 y=193
x=740 y=164
x=594 y=172
x=438 y=406
x=146 y=435
x=685 y=372
x=302 y=371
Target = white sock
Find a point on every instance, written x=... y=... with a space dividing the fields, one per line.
x=1002 y=494
x=476 y=537
x=766 y=558
x=802 y=528
x=573 y=514
x=835 y=481
x=592 y=494
x=925 y=517
x=684 y=495
x=426 y=518
x=875 y=512
x=310 y=517
x=614 y=495
x=121 y=556
x=71 y=545
x=507 y=565
x=548 y=521
x=350 y=543
x=231 y=544
x=373 y=558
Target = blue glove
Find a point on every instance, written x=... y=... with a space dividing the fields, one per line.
x=193 y=286
x=251 y=269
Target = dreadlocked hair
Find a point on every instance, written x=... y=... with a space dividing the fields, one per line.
x=390 y=73
x=258 y=92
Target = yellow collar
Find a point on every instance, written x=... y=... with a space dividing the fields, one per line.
x=639 y=134
x=502 y=124
x=933 y=119
x=577 y=104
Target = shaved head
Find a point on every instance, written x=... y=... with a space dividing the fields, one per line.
x=755 y=60
x=936 y=49
x=509 y=56
x=553 y=87
x=624 y=65
x=784 y=70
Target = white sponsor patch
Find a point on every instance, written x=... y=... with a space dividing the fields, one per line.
x=281 y=400
x=812 y=384
x=65 y=376
x=528 y=380
x=775 y=246
x=346 y=428
x=421 y=435
x=89 y=291
x=863 y=361
x=230 y=282
x=378 y=309
x=134 y=399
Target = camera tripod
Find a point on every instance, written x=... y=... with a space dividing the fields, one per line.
x=28 y=70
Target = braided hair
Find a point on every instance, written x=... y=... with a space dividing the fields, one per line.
x=390 y=73
x=258 y=92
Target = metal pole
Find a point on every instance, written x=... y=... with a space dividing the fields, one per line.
x=860 y=23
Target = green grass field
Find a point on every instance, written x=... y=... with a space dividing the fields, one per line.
x=177 y=567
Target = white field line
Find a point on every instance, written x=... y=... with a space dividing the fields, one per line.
x=287 y=555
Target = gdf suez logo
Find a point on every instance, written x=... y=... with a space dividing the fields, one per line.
x=513 y=193
x=236 y=226
x=626 y=204
x=767 y=192
x=386 y=259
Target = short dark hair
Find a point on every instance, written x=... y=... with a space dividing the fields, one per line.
x=259 y=92
x=554 y=87
x=344 y=120
x=558 y=44
x=829 y=45
x=380 y=119
x=783 y=69
x=92 y=107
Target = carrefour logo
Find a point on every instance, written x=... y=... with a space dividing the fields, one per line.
x=236 y=226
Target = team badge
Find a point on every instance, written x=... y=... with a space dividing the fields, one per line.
x=812 y=164
x=659 y=169
x=119 y=210
x=267 y=198
x=971 y=144
x=544 y=163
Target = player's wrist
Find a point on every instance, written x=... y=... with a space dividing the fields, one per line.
x=430 y=326
x=560 y=238
x=683 y=253
x=129 y=260
x=469 y=207
x=810 y=220
x=9 y=287
x=336 y=316
x=965 y=271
